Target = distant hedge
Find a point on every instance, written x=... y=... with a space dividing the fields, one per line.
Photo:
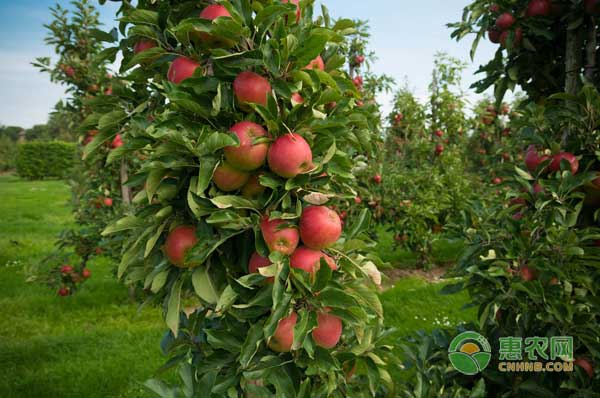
x=45 y=159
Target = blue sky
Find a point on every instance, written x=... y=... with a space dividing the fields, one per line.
x=406 y=34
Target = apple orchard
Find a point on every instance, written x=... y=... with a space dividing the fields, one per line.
x=241 y=177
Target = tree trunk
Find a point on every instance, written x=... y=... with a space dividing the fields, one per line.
x=573 y=60
x=590 y=51
x=125 y=190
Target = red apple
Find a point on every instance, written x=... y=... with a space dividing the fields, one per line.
x=533 y=159
x=497 y=181
x=518 y=36
x=143 y=45
x=297 y=99
x=289 y=156
x=527 y=273
x=320 y=227
x=257 y=261
x=439 y=149
x=377 y=179
x=108 y=91
x=181 y=68
x=179 y=241
x=251 y=88
x=309 y=260
x=63 y=291
x=228 y=179
x=494 y=35
x=359 y=59
x=585 y=365
x=328 y=331
x=69 y=71
x=117 y=142
x=439 y=133
x=298 y=11
x=316 y=63
x=592 y=7
x=278 y=236
x=66 y=269
x=357 y=200
x=98 y=251
x=213 y=12
x=537 y=8
x=556 y=160
x=283 y=338
x=494 y=8
x=108 y=202
x=505 y=21
x=358 y=82
x=86 y=273
x=252 y=188
x=247 y=156
x=359 y=103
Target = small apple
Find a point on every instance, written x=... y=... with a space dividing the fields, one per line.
x=316 y=63
x=248 y=155
x=377 y=179
x=494 y=35
x=211 y=13
x=505 y=21
x=297 y=99
x=494 y=8
x=592 y=7
x=179 y=241
x=298 y=11
x=108 y=202
x=541 y=8
x=143 y=45
x=251 y=88
x=86 y=273
x=528 y=274
x=320 y=227
x=257 y=261
x=289 y=156
x=283 y=338
x=252 y=188
x=439 y=149
x=358 y=82
x=309 y=260
x=439 y=133
x=182 y=68
x=517 y=38
x=359 y=59
x=66 y=269
x=357 y=200
x=279 y=235
x=228 y=179
x=584 y=364
x=108 y=91
x=328 y=331
x=556 y=161
x=116 y=142
x=63 y=291
x=497 y=181
x=533 y=159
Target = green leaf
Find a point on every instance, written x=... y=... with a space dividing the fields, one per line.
x=173 y=307
x=204 y=286
x=150 y=243
x=251 y=344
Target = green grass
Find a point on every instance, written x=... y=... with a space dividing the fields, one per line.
x=94 y=344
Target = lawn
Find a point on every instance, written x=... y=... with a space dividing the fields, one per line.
x=96 y=344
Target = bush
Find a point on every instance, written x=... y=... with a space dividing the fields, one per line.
x=8 y=153
x=39 y=160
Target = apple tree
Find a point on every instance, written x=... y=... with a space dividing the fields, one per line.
x=83 y=70
x=531 y=263
x=252 y=132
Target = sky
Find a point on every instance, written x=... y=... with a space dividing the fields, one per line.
x=406 y=34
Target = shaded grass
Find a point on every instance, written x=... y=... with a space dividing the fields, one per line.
x=95 y=344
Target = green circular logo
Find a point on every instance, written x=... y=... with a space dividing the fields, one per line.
x=470 y=353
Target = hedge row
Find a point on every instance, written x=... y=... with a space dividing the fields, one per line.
x=45 y=159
